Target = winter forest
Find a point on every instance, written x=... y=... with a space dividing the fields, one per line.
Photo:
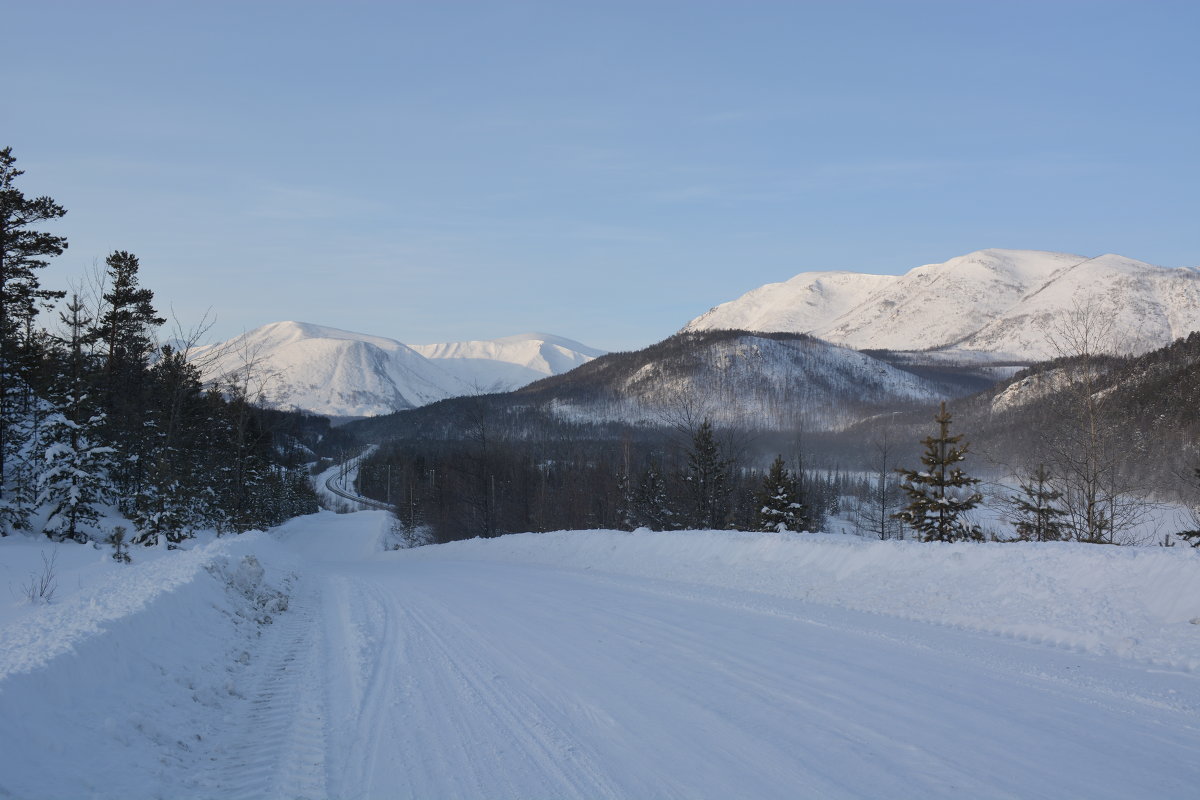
x=109 y=435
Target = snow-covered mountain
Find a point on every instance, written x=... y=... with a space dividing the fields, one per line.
x=500 y=365
x=329 y=371
x=345 y=374
x=999 y=303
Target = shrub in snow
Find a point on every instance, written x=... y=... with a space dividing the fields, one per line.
x=120 y=548
x=41 y=586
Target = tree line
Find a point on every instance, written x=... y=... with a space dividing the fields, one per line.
x=484 y=482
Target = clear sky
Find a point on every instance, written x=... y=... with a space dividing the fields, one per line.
x=438 y=170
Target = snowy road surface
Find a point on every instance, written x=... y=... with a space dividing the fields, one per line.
x=466 y=671
x=426 y=676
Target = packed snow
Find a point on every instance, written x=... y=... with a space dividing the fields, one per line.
x=311 y=661
x=991 y=303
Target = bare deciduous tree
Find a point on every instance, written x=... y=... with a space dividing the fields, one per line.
x=1103 y=502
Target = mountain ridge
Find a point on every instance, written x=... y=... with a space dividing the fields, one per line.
x=991 y=303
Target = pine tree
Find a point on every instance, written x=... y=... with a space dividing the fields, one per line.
x=940 y=493
x=1038 y=516
x=23 y=251
x=123 y=333
x=778 y=506
x=708 y=480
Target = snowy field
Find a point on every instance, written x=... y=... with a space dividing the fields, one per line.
x=600 y=664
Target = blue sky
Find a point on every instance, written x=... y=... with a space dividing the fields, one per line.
x=435 y=171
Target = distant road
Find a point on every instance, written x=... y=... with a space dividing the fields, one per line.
x=336 y=482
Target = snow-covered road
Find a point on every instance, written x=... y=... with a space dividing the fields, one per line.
x=424 y=675
x=609 y=665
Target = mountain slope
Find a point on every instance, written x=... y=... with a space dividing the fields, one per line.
x=508 y=363
x=999 y=303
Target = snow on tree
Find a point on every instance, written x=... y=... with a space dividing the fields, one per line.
x=940 y=493
x=74 y=478
x=1036 y=513
x=778 y=501
x=74 y=473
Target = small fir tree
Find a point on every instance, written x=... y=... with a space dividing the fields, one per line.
x=652 y=506
x=940 y=493
x=73 y=481
x=778 y=506
x=1038 y=518
x=73 y=475
x=119 y=545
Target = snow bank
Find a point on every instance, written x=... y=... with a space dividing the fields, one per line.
x=137 y=661
x=52 y=629
x=1139 y=603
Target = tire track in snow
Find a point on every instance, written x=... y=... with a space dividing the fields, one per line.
x=368 y=660
x=502 y=708
x=279 y=751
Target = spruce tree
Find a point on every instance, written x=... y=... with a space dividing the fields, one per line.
x=777 y=504
x=23 y=251
x=1038 y=516
x=940 y=493
x=708 y=480
x=123 y=335
x=73 y=478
